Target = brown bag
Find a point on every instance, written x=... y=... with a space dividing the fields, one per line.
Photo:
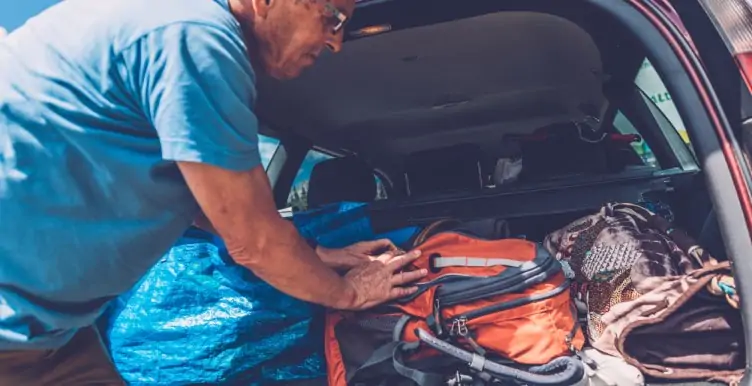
x=653 y=296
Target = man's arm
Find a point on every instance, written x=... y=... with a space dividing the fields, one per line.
x=339 y=259
x=194 y=84
x=240 y=207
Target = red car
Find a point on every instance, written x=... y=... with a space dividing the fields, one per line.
x=424 y=88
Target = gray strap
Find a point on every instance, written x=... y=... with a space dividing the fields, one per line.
x=421 y=378
x=399 y=327
x=466 y=261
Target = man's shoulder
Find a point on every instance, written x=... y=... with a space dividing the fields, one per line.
x=124 y=21
x=156 y=14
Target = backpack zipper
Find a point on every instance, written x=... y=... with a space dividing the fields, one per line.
x=459 y=328
x=520 y=281
x=464 y=318
x=458 y=325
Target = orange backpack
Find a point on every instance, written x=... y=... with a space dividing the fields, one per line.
x=488 y=309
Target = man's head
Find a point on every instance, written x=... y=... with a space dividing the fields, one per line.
x=286 y=36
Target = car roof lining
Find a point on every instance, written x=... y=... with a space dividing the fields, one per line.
x=390 y=95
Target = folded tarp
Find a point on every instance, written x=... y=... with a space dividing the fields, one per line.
x=199 y=318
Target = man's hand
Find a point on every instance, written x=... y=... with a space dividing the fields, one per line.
x=355 y=255
x=240 y=206
x=376 y=282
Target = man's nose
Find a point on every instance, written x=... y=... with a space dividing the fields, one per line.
x=335 y=43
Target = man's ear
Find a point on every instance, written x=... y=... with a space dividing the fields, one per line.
x=261 y=7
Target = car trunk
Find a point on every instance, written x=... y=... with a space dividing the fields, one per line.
x=414 y=78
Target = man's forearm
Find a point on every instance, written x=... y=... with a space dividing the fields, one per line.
x=240 y=206
x=284 y=260
x=203 y=223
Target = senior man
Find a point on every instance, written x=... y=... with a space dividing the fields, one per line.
x=123 y=121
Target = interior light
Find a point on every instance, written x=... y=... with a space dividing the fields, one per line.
x=371 y=30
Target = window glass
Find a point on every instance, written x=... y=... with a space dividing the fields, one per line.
x=267 y=146
x=298 y=198
x=624 y=126
x=651 y=84
x=380 y=189
x=665 y=114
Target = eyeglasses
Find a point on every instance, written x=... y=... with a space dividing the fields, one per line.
x=337 y=17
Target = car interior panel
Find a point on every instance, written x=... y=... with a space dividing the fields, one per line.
x=546 y=198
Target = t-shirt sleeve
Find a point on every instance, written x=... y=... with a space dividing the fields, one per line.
x=195 y=86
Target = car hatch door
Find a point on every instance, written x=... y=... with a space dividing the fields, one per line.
x=720 y=33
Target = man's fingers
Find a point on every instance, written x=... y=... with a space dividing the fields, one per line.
x=408 y=277
x=400 y=292
x=398 y=262
x=380 y=246
x=388 y=245
x=385 y=258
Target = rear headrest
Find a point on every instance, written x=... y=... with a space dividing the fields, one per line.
x=341 y=179
x=455 y=168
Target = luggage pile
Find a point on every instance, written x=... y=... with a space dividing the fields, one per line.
x=619 y=297
x=616 y=298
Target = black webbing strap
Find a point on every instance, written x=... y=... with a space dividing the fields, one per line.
x=382 y=355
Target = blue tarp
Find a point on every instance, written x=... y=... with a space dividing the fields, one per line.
x=339 y=225
x=198 y=318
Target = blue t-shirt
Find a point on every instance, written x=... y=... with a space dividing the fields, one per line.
x=98 y=99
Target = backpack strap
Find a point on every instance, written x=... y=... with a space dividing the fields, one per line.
x=421 y=378
x=384 y=353
x=432 y=229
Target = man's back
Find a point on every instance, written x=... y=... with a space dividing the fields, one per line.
x=89 y=195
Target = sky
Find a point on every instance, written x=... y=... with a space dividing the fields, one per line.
x=13 y=13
